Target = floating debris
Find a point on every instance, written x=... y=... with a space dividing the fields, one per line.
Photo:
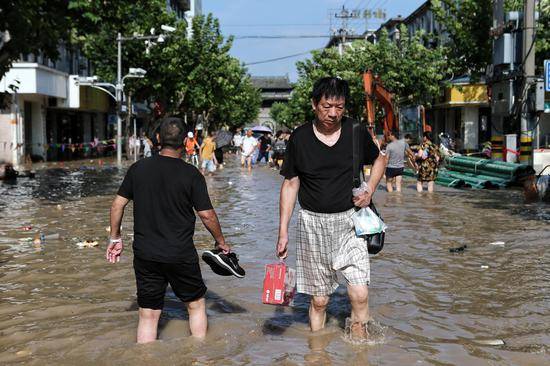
x=458 y=249
x=497 y=243
x=25 y=240
x=87 y=244
x=483 y=266
x=490 y=342
x=26 y=228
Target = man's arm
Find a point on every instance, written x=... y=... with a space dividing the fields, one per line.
x=376 y=174
x=410 y=155
x=289 y=192
x=210 y=220
x=114 y=249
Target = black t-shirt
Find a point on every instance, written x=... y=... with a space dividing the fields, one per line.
x=165 y=191
x=264 y=143
x=325 y=172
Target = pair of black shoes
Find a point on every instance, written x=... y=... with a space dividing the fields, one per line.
x=223 y=264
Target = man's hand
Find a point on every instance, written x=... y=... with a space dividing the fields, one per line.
x=362 y=200
x=224 y=247
x=114 y=250
x=282 y=246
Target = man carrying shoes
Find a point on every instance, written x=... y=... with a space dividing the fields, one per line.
x=165 y=190
x=318 y=169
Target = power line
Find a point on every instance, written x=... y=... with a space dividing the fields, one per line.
x=275 y=25
x=281 y=58
x=283 y=37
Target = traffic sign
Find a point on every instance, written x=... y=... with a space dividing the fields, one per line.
x=547 y=75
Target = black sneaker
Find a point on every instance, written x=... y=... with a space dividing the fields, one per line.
x=223 y=264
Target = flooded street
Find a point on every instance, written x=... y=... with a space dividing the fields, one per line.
x=65 y=306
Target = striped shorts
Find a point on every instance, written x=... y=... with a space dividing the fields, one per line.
x=325 y=244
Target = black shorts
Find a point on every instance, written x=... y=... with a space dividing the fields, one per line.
x=153 y=277
x=394 y=172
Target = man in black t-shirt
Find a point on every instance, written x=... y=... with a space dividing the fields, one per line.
x=166 y=191
x=318 y=169
x=265 y=146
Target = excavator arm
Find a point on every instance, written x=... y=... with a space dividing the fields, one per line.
x=374 y=90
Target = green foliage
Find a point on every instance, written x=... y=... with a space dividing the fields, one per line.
x=282 y=114
x=542 y=32
x=410 y=70
x=33 y=26
x=466 y=39
x=194 y=76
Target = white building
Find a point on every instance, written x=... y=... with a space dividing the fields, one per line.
x=48 y=113
x=185 y=9
x=49 y=117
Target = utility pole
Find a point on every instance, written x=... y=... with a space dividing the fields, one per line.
x=119 y=101
x=526 y=135
x=345 y=15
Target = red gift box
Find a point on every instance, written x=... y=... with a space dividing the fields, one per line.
x=279 y=284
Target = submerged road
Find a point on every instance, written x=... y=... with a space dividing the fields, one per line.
x=488 y=304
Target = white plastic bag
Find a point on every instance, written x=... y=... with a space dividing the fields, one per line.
x=367 y=222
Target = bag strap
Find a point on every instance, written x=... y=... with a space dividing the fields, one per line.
x=357 y=138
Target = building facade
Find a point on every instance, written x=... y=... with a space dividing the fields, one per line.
x=50 y=117
x=273 y=89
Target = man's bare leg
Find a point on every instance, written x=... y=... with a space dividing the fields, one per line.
x=431 y=186
x=389 y=184
x=249 y=162
x=419 y=186
x=398 y=181
x=317 y=312
x=148 y=324
x=198 y=323
x=359 y=298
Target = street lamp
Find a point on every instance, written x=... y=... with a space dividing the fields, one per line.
x=139 y=73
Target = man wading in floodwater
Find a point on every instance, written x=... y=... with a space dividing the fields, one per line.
x=318 y=168
x=165 y=190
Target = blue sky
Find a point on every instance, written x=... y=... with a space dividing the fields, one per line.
x=289 y=17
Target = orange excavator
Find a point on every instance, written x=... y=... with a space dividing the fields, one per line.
x=375 y=91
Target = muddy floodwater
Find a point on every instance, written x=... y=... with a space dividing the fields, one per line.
x=486 y=305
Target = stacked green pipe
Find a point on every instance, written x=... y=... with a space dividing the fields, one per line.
x=442 y=179
x=489 y=168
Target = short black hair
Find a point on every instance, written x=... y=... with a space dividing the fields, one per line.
x=172 y=132
x=395 y=132
x=330 y=87
x=428 y=135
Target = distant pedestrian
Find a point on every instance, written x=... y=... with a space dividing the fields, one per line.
x=279 y=148
x=166 y=192
x=192 y=149
x=249 y=145
x=264 y=147
x=395 y=153
x=237 y=141
x=147 y=146
x=427 y=159
x=207 y=154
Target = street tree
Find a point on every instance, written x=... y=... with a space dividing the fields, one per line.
x=32 y=26
x=188 y=76
x=464 y=34
x=408 y=68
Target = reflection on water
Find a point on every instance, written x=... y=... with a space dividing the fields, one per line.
x=63 y=305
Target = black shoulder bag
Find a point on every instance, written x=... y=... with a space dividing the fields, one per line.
x=375 y=242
